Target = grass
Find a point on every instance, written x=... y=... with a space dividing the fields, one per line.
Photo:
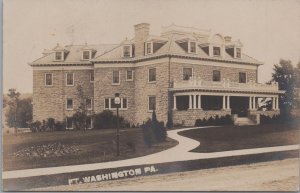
x=227 y=138
x=93 y=146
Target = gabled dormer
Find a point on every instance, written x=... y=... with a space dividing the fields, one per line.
x=87 y=52
x=188 y=43
x=127 y=49
x=215 y=46
x=154 y=43
x=60 y=53
x=233 y=48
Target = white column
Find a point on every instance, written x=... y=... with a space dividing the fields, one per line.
x=228 y=102
x=254 y=103
x=250 y=102
x=199 y=102
x=273 y=103
x=277 y=103
x=190 y=101
x=223 y=101
x=194 y=102
x=174 y=106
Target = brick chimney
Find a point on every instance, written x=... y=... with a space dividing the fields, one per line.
x=141 y=33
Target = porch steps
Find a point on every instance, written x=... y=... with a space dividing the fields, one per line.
x=243 y=121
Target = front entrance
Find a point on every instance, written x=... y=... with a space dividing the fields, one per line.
x=239 y=105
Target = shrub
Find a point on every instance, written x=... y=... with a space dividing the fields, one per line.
x=223 y=120
x=170 y=121
x=79 y=120
x=147 y=132
x=50 y=124
x=35 y=126
x=106 y=119
x=60 y=126
x=158 y=128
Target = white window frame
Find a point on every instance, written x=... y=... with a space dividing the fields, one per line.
x=151 y=48
x=149 y=102
x=46 y=79
x=192 y=72
x=113 y=78
x=189 y=47
x=73 y=74
x=91 y=123
x=213 y=50
x=153 y=81
x=130 y=51
x=92 y=73
x=235 y=52
x=71 y=128
x=90 y=55
x=91 y=103
x=109 y=103
x=131 y=75
x=62 y=56
x=69 y=109
x=246 y=78
x=213 y=76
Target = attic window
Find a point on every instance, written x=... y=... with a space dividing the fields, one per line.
x=127 y=51
x=238 y=52
x=192 y=47
x=58 y=56
x=86 y=55
x=217 y=51
x=149 y=48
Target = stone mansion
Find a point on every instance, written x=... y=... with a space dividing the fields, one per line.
x=188 y=72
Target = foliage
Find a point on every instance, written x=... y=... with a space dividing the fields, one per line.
x=106 y=119
x=223 y=120
x=50 y=124
x=80 y=117
x=147 y=133
x=170 y=123
x=35 y=126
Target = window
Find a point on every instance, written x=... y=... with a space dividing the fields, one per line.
x=217 y=51
x=148 y=48
x=127 y=51
x=129 y=75
x=109 y=103
x=216 y=75
x=151 y=103
x=192 y=47
x=238 y=52
x=89 y=123
x=116 y=77
x=58 y=55
x=152 y=75
x=242 y=77
x=69 y=124
x=187 y=73
x=48 y=79
x=86 y=55
x=69 y=104
x=70 y=79
x=88 y=103
x=92 y=77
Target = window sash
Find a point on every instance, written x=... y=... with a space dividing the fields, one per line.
x=216 y=75
x=70 y=79
x=88 y=103
x=193 y=47
x=92 y=78
x=109 y=103
x=151 y=103
x=48 y=79
x=127 y=51
x=116 y=77
x=242 y=77
x=86 y=55
x=217 y=51
x=148 y=48
x=152 y=75
x=238 y=52
x=69 y=104
x=187 y=73
x=69 y=123
x=129 y=75
x=58 y=55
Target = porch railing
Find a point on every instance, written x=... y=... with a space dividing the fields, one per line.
x=224 y=84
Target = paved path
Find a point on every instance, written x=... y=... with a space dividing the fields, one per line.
x=177 y=153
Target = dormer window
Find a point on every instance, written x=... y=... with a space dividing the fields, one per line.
x=238 y=53
x=149 y=48
x=86 y=55
x=127 y=51
x=58 y=56
x=192 y=47
x=217 y=51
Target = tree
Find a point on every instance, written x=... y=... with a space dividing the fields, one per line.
x=170 y=120
x=284 y=74
x=80 y=116
x=11 y=115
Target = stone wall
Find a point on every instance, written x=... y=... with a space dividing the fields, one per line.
x=189 y=117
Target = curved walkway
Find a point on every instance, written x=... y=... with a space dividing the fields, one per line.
x=177 y=153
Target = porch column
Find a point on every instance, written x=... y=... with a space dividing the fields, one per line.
x=190 y=101
x=228 y=102
x=254 y=103
x=199 y=102
x=194 y=102
x=174 y=106
x=277 y=103
x=273 y=103
x=250 y=102
x=224 y=101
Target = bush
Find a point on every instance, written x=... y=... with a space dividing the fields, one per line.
x=106 y=119
x=50 y=124
x=170 y=121
x=223 y=120
x=35 y=126
x=60 y=126
x=147 y=132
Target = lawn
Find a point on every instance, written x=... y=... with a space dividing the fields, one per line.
x=47 y=149
x=227 y=138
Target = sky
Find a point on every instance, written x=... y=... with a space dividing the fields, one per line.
x=268 y=29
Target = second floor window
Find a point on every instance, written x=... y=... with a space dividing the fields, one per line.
x=69 y=104
x=238 y=52
x=48 y=79
x=58 y=55
x=69 y=79
x=127 y=51
x=86 y=55
x=187 y=73
x=242 y=77
x=152 y=75
x=192 y=47
x=88 y=103
x=216 y=75
x=116 y=77
x=109 y=103
x=217 y=51
x=129 y=75
x=151 y=103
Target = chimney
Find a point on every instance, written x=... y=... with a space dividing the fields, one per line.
x=227 y=39
x=141 y=33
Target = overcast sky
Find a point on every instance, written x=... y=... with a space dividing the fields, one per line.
x=269 y=29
